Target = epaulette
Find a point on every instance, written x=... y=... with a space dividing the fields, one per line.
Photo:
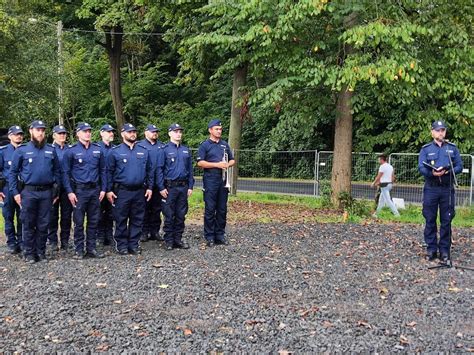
x=3 y=147
x=50 y=145
x=139 y=144
x=115 y=146
x=96 y=144
x=451 y=143
x=69 y=145
x=426 y=145
x=72 y=146
x=203 y=142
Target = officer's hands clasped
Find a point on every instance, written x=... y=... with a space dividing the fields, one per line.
x=111 y=197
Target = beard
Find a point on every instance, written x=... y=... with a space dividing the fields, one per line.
x=37 y=143
x=131 y=140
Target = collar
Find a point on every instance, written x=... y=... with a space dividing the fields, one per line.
x=214 y=142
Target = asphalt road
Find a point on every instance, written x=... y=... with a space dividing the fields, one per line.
x=411 y=194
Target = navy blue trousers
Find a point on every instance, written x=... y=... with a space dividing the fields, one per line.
x=215 y=208
x=87 y=206
x=35 y=216
x=174 y=208
x=441 y=198
x=106 y=222
x=152 y=220
x=9 y=210
x=129 y=212
x=65 y=218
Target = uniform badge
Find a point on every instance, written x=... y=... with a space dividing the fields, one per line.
x=172 y=160
x=80 y=160
x=9 y=162
x=432 y=162
x=125 y=160
x=30 y=160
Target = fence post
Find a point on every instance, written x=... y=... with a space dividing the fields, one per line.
x=317 y=176
x=472 y=180
x=315 y=172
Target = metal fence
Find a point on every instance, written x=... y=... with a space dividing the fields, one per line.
x=309 y=173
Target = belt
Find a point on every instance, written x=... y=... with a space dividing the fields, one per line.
x=131 y=187
x=88 y=185
x=174 y=183
x=437 y=184
x=38 y=187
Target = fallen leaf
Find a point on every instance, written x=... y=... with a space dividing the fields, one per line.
x=158 y=265
x=163 y=286
x=411 y=324
x=118 y=301
x=143 y=334
x=102 y=347
x=454 y=289
x=404 y=340
x=187 y=332
x=327 y=324
x=363 y=323
x=101 y=285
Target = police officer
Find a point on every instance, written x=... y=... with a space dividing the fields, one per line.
x=174 y=175
x=130 y=184
x=438 y=162
x=10 y=207
x=106 y=221
x=152 y=222
x=85 y=181
x=211 y=159
x=36 y=168
x=63 y=203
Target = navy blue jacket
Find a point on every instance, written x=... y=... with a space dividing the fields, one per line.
x=129 y=166
x=81 y=165
x=437 y=156
x=153 y=149
x=213 y=152
x=174 y=163
x=34 y=166
x=6 y=161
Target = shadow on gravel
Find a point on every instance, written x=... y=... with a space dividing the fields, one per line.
x=276 y=288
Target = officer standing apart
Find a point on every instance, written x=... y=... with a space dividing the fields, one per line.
x=438 y=191
x=35 y=170
x=130 y=183
x=106 y=221
x=211 y=159
x=10 y=207
x=63 y=203
x=85 y=181
x=174 y=176
x=152 y=222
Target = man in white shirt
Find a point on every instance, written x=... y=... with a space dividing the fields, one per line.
x=385 y=179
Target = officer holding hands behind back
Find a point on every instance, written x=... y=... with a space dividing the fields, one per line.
x=130 y=184
x=174 y=176
x=438 y=162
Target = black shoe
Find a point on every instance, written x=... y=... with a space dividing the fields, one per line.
x=222 y=242
x=78 y=255
x=42 y=258
x=152 y=237
x=181 y=245
x=122 y=252
x=431 y=256
x=210 y=244
x=169 y=246
x=160 y=238
x=134 y=251
x=106 y=242
x=94 y=254
x=444 y=257
x=14 y=250
x=30 y=259
x=144 y=238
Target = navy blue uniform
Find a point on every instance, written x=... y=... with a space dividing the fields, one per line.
x=129 y=174
x=438 y=192
x=38 y=169
x=106 y=221
x=152 y=222
x=10 y=207
x=64 y=204
x=175 y=173
x=84 y=173
x=215 y=192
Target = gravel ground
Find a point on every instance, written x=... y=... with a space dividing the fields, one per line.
x=276 y=288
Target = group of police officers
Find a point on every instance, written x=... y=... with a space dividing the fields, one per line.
x=130 y=184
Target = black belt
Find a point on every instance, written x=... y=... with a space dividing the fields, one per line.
x=437 y=184
x=38 y=187
x=174 y=183
x=88 y=185
x=131 y=187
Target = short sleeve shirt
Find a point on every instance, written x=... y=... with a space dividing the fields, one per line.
x=387 y=171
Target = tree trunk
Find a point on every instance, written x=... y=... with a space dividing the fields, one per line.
x=113 y=45
x=342 y=158
x=236 y=117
